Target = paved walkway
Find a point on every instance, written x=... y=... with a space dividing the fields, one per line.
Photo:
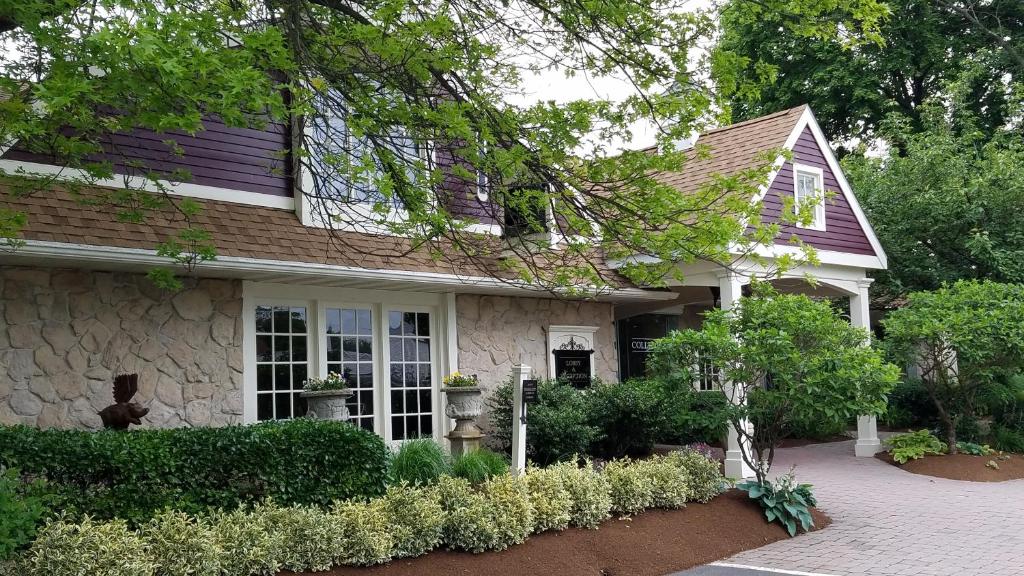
x=890 y=522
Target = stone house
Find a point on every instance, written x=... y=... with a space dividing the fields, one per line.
x=283 y=301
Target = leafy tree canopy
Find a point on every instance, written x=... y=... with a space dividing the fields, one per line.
x=790 y=357
x=372 y=82
x=926 y=44
x=949 y=208
x=964 y=337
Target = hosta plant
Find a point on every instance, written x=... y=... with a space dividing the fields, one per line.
x=974 y=449
x=784 y=501
x=914 y=445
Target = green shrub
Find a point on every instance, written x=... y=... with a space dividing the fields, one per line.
x=589 y=493
x=669 y=483
x=909 y=406
x=246 y=540
x=415 y=519
x=467 y=516
x=784 y=501
x=364 y=535
x=20 y=512
x=974 y=449
x=112 y=474
x=631 y=491
x=695 y=416
x=479 y=466
x=914 y=445
x=1008 y=439
x=705 y=475
x=306 y=536
x=419 y=462
x=92 y=548
x=551 y=502
x=559 y=427
x=631 y=416
x=510 y=510
x=172 y=537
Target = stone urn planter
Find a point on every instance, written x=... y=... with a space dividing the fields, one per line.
x=464 y=404
x=328 y=404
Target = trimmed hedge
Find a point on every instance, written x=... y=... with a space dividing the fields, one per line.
x=133 y=475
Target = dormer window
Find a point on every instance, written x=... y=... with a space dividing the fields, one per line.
x=808 y=182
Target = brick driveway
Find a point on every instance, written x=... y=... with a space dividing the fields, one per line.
x=890 y=522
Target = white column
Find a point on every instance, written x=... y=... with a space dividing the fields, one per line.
x=731 y=287
x=868 y=443
x=520 y=372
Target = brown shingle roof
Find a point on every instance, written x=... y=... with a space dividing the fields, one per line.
x=734 y=148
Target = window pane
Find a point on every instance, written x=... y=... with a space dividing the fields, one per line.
x=424 y=379
x=333 y=349
x=363 y=322
x=348 y=321
x=298 y=348
x=395 y=323
x=264 y=406
x=410 y=349
x=366 y=375
x=365 y=349
x=410 y=375
x=423 y=324
x=263 y=319
x=333 y=321
x=411 y=405
x=409 y=324
x=282 y=377
x=300 y=405
x=396 y=376
x=396 y=402
x=282 y=406
x=425 y=405
x=264 y=377
x=264 y=349
x=426 y=425
x=299 y=376
x=282 y=349
x=395 y=346
x=281 y=320
x=423 y=347
x=398 y=428
x=348 y=348
x=298 y=320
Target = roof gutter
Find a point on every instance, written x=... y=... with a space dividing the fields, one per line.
x=112 y=256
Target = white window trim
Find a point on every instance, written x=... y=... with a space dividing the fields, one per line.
x=819 y=210
x=316 y=300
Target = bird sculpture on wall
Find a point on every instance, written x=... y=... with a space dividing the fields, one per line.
x=123 y=412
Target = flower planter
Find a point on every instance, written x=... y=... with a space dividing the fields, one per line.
x=328 y=404
x=464 y=404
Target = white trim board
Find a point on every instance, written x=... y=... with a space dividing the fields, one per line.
x=175 y=188
x=77 y=255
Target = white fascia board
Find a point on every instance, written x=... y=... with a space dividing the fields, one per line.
x=824 y=256
x=185 y=189
x=84 y=253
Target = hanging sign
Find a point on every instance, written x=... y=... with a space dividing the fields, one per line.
x=530 y=395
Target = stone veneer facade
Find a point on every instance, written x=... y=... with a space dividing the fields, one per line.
x=66 y=333
x=495 y=332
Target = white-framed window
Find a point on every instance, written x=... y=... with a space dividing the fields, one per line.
x=709 y=377
x=387 y=345
x=809 y=188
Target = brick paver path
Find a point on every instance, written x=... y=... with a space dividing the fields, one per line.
x=890 y=522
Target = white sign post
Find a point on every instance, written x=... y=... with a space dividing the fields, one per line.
x=520 y=372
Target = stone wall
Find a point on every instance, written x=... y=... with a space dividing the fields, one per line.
x=496 y=332
x=68 y=332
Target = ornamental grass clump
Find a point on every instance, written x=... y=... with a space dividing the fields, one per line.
x=88 y=548
x=415 y=518
x=364 y=534
x=419 y=463
x=589 y=492
x=181 y=545
x=705 y=477
x=551 y=502
x=631 y=491
x=479 y=466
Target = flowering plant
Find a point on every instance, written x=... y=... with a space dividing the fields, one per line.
x=333 y=381
x=457 y=380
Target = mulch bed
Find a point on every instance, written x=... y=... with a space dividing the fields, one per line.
x=962 y=467
x=651 y=544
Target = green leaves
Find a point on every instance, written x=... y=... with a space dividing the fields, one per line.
x=784 y=501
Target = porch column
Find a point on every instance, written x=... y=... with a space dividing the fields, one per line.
x=868 y=443
x=731 y=287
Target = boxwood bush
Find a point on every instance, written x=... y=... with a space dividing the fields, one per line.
x=133 y=475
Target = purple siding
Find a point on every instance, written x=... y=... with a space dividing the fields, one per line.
x=458 y=194
x=234 y=158
x=842 y=231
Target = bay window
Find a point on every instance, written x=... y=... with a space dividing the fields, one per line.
x=387 y=351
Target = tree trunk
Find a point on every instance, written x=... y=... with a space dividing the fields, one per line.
x=951 y=433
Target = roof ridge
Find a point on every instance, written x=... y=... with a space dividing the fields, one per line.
x=764 y=118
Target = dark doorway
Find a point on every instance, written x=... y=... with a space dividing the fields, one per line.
x=635 y=336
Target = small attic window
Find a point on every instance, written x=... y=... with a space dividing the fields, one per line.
x=809 y=188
